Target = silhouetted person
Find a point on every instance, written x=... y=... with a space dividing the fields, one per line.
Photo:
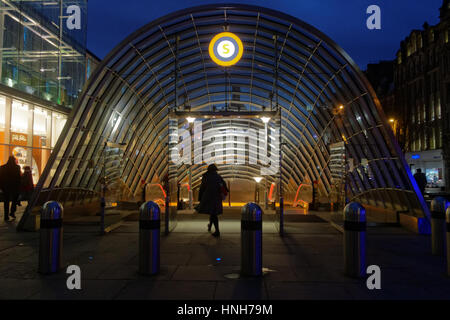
x=421 y=180
x=10 y=184
x=212 y=190
x=27 y=185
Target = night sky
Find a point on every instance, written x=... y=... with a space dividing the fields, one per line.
x=110 y=21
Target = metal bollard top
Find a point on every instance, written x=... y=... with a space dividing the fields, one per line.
x=52 y=210
x=439 y=204
x=251 y=212
x=355 y=212
x=149 y=211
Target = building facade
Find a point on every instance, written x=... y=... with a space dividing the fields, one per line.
x=417 y=105
x=43 y=66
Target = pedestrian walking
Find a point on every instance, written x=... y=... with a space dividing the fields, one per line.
x=213 y=190
x=421 y=180
x=10 y=179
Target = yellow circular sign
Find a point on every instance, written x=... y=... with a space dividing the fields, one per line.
x=226 y=49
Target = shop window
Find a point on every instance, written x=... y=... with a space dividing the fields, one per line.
x=19 y=117
x=41 y=139
x=58 y=122
x=2 y=115
x=3 y=148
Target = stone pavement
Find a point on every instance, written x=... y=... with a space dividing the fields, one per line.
x=305 y=264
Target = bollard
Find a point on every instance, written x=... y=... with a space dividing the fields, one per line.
x=448 y=239
x=438 y=207
x=354 y=240
x=51 y=238
x=149 y=238
x=251 y=240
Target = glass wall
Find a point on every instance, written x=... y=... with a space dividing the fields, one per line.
x=29 y=132
x=41 y=54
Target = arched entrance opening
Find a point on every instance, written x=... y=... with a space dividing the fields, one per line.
x=326 y=123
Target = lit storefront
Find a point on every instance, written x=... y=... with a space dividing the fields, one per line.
x=43 y=67
x=431 y=163
x=29 y=132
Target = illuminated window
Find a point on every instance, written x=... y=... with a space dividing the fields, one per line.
x=418 y=115
x=19 y=117
x=432 y=107
x=433 y=138
x=438 y=106
x=58 y=122
x=2 y=113
x=41 y=121
x=3 y=148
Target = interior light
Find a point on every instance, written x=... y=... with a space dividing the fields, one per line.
x=265 y=119
x=257 y=179
x=190 y=119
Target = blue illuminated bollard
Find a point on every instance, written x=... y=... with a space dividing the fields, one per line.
x=251 y=240
x=51 y=238
x=149 y=238
x=438 y=207
x=354 y=240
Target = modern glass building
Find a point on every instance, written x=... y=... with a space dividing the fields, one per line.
x=283 y=106
x=43 y=66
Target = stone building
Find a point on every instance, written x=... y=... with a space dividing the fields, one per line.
x=418 y=104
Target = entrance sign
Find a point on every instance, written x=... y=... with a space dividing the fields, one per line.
x=226 y=49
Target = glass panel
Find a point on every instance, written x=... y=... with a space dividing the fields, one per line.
x=32 y=58
x=58 y=122
x=41 y=139
x=3 y=147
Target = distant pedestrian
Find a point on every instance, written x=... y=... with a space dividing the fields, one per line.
x=213 y=190
x=421 y=180
x=10 y=179
x=26 y=186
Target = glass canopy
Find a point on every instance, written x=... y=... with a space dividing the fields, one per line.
x=332 y=131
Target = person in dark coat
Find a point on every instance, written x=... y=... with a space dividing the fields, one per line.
x=421 y=180
x=27 y=185
x=212 y=190
x=10 y=179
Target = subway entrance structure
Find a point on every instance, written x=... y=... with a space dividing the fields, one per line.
x=324 y=141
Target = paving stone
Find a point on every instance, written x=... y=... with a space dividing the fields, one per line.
x=167 y=290
x=302 y=291
x=90 y=289
x=203 y=273
x=307 y=263
x=241 y=289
